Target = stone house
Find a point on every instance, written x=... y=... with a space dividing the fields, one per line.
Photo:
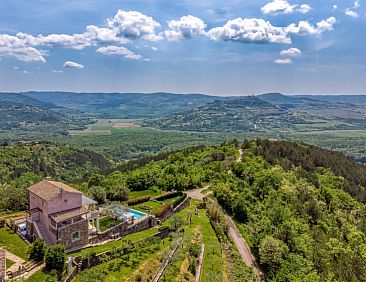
x=60 y=214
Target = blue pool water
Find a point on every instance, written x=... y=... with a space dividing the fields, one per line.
x=131 y=213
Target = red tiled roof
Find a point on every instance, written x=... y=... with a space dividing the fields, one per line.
x=48 y=189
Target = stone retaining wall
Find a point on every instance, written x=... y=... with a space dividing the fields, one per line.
x=123 y=229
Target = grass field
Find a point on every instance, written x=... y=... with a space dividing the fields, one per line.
x=41 y=276
x=13 y=243
x=151 y=204
x=9 y=263
x=136 y=194
x=107 y=222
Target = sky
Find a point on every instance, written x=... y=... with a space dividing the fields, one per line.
x=208 y=46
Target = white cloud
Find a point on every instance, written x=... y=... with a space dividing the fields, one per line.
x=304 y=9
x=126 y=26
x=120 y=51
x=132 y=24
x=304 y=28
x=23 y=53
x=286 y=61
x=356 y=5
x=278 y=7
x=351 y=13
x=154 y=48
x=25 y=72
x=57 y=71
x=292 y=52
x=184 y=28
x=335 y=8
x=249 y=30
x=261 y=31
x=70 y=64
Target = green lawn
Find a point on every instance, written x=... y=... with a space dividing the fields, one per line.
x=40 y=276
x=108 y=246
x=13 y=243
x=136 y=194
x=153 y=205
x=9 y=263
x=107 y=222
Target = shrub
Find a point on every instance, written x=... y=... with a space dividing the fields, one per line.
x=55 y=257
x=163 y=228
x=179 y=200
x=138 y=200
x=162 y=210
x=169 y=196
x=91 y=275
x=98 y=194
x=192 y=266
x=37 y=250
x=194 y=250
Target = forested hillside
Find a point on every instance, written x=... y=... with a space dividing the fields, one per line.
x=236 y=115
x=271 y=113
x=299 y=214
x=300 y=208
x=298 y=230
x=123 y=105
x=22 y=165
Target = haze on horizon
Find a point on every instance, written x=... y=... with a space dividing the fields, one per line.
x=213 y=47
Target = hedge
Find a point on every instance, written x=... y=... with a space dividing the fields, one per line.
x=161 y=211
x=179 y=200
x=169 y=196
x=138 y=200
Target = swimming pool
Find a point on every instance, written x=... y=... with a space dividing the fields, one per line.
x=131 y=213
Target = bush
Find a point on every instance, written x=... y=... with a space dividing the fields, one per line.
x=119 y=193
x=192 y=266
x=161 y=211
x=98 y=194
x=169 y=196
x=163 y=228
x=179 y=200
x=138 y=200
x=194 y=250
x=55 y=257
x=37 y=250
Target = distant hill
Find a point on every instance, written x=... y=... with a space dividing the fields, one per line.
x=23 y=99
x=234 y=115
x=19 y=113
x=124 y=105
x=350 y=99
x=272 y=112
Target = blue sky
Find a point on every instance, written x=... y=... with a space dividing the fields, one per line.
x=210 y=46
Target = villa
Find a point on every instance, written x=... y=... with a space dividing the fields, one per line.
x=60 y=214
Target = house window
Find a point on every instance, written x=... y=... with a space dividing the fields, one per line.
x=75 y=236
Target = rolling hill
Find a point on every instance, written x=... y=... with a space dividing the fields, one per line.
x=124 y=105
x=272 y=112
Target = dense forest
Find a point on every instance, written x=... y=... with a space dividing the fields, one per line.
x=22 y=165
x=300 y=208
